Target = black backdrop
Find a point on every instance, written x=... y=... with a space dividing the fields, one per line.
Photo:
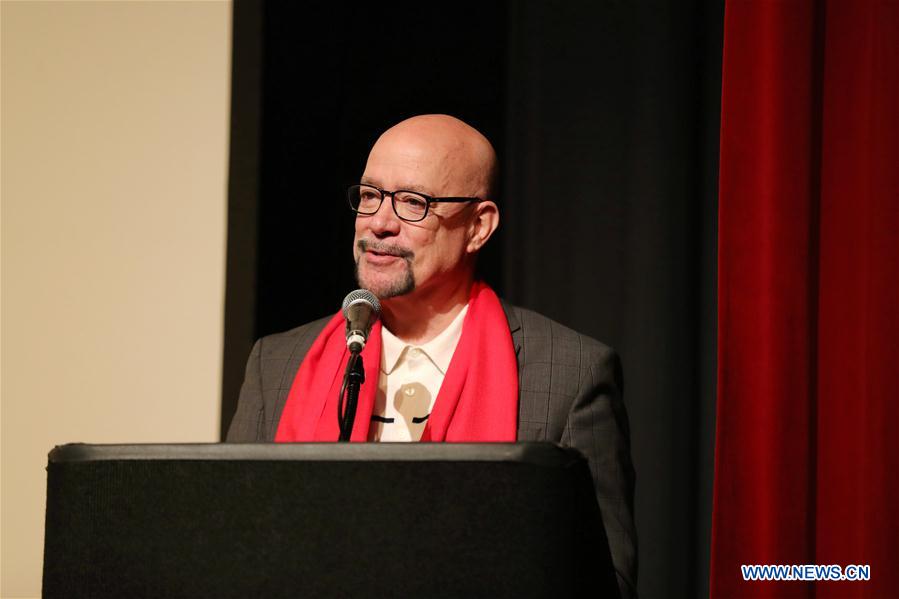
x=605 y=117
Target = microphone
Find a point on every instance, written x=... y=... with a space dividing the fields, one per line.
x=361 y=309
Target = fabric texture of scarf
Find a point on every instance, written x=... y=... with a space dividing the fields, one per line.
x=478 y=400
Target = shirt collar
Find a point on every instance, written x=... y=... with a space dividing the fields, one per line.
x=440 y=349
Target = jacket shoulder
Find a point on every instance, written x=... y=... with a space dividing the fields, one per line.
x=556 y=364
x=273 y=362
x=282 y=344
x=562 y=344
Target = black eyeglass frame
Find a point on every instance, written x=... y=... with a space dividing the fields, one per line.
x=428 y=201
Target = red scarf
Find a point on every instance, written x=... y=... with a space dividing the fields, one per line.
x=478 y=400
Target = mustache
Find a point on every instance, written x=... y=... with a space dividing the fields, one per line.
x=365 y=245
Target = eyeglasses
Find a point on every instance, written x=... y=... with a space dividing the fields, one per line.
x=410 y=206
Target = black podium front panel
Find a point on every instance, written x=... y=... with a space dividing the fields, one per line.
x=323 y=520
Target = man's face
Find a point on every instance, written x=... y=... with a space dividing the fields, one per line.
x=395 y=257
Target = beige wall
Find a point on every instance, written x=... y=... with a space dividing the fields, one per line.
x=114 y=151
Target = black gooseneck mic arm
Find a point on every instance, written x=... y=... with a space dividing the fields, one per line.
x=349 y=396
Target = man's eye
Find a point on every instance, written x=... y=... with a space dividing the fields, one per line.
x=413 y=202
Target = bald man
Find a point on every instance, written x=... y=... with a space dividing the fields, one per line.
x=445 y=343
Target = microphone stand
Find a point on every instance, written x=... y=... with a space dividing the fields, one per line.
x=353 y=378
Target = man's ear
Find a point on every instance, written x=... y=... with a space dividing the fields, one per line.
x=482 y=225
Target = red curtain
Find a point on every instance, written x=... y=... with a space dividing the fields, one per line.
x=807 y=446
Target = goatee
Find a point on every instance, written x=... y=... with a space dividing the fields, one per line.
x=401 y=285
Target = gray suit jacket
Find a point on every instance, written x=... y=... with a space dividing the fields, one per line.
x=570 y=390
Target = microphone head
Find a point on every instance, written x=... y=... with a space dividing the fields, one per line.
x=361 y=296
x=361 y=309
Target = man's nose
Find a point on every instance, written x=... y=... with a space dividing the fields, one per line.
x=385 y=222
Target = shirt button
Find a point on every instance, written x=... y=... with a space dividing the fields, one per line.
x=415 y=352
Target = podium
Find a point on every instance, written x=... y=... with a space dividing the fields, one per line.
x=323 y=520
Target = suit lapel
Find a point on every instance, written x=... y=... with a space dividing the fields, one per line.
x=514 y=325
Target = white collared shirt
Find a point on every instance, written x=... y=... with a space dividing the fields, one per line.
x=409 y=381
